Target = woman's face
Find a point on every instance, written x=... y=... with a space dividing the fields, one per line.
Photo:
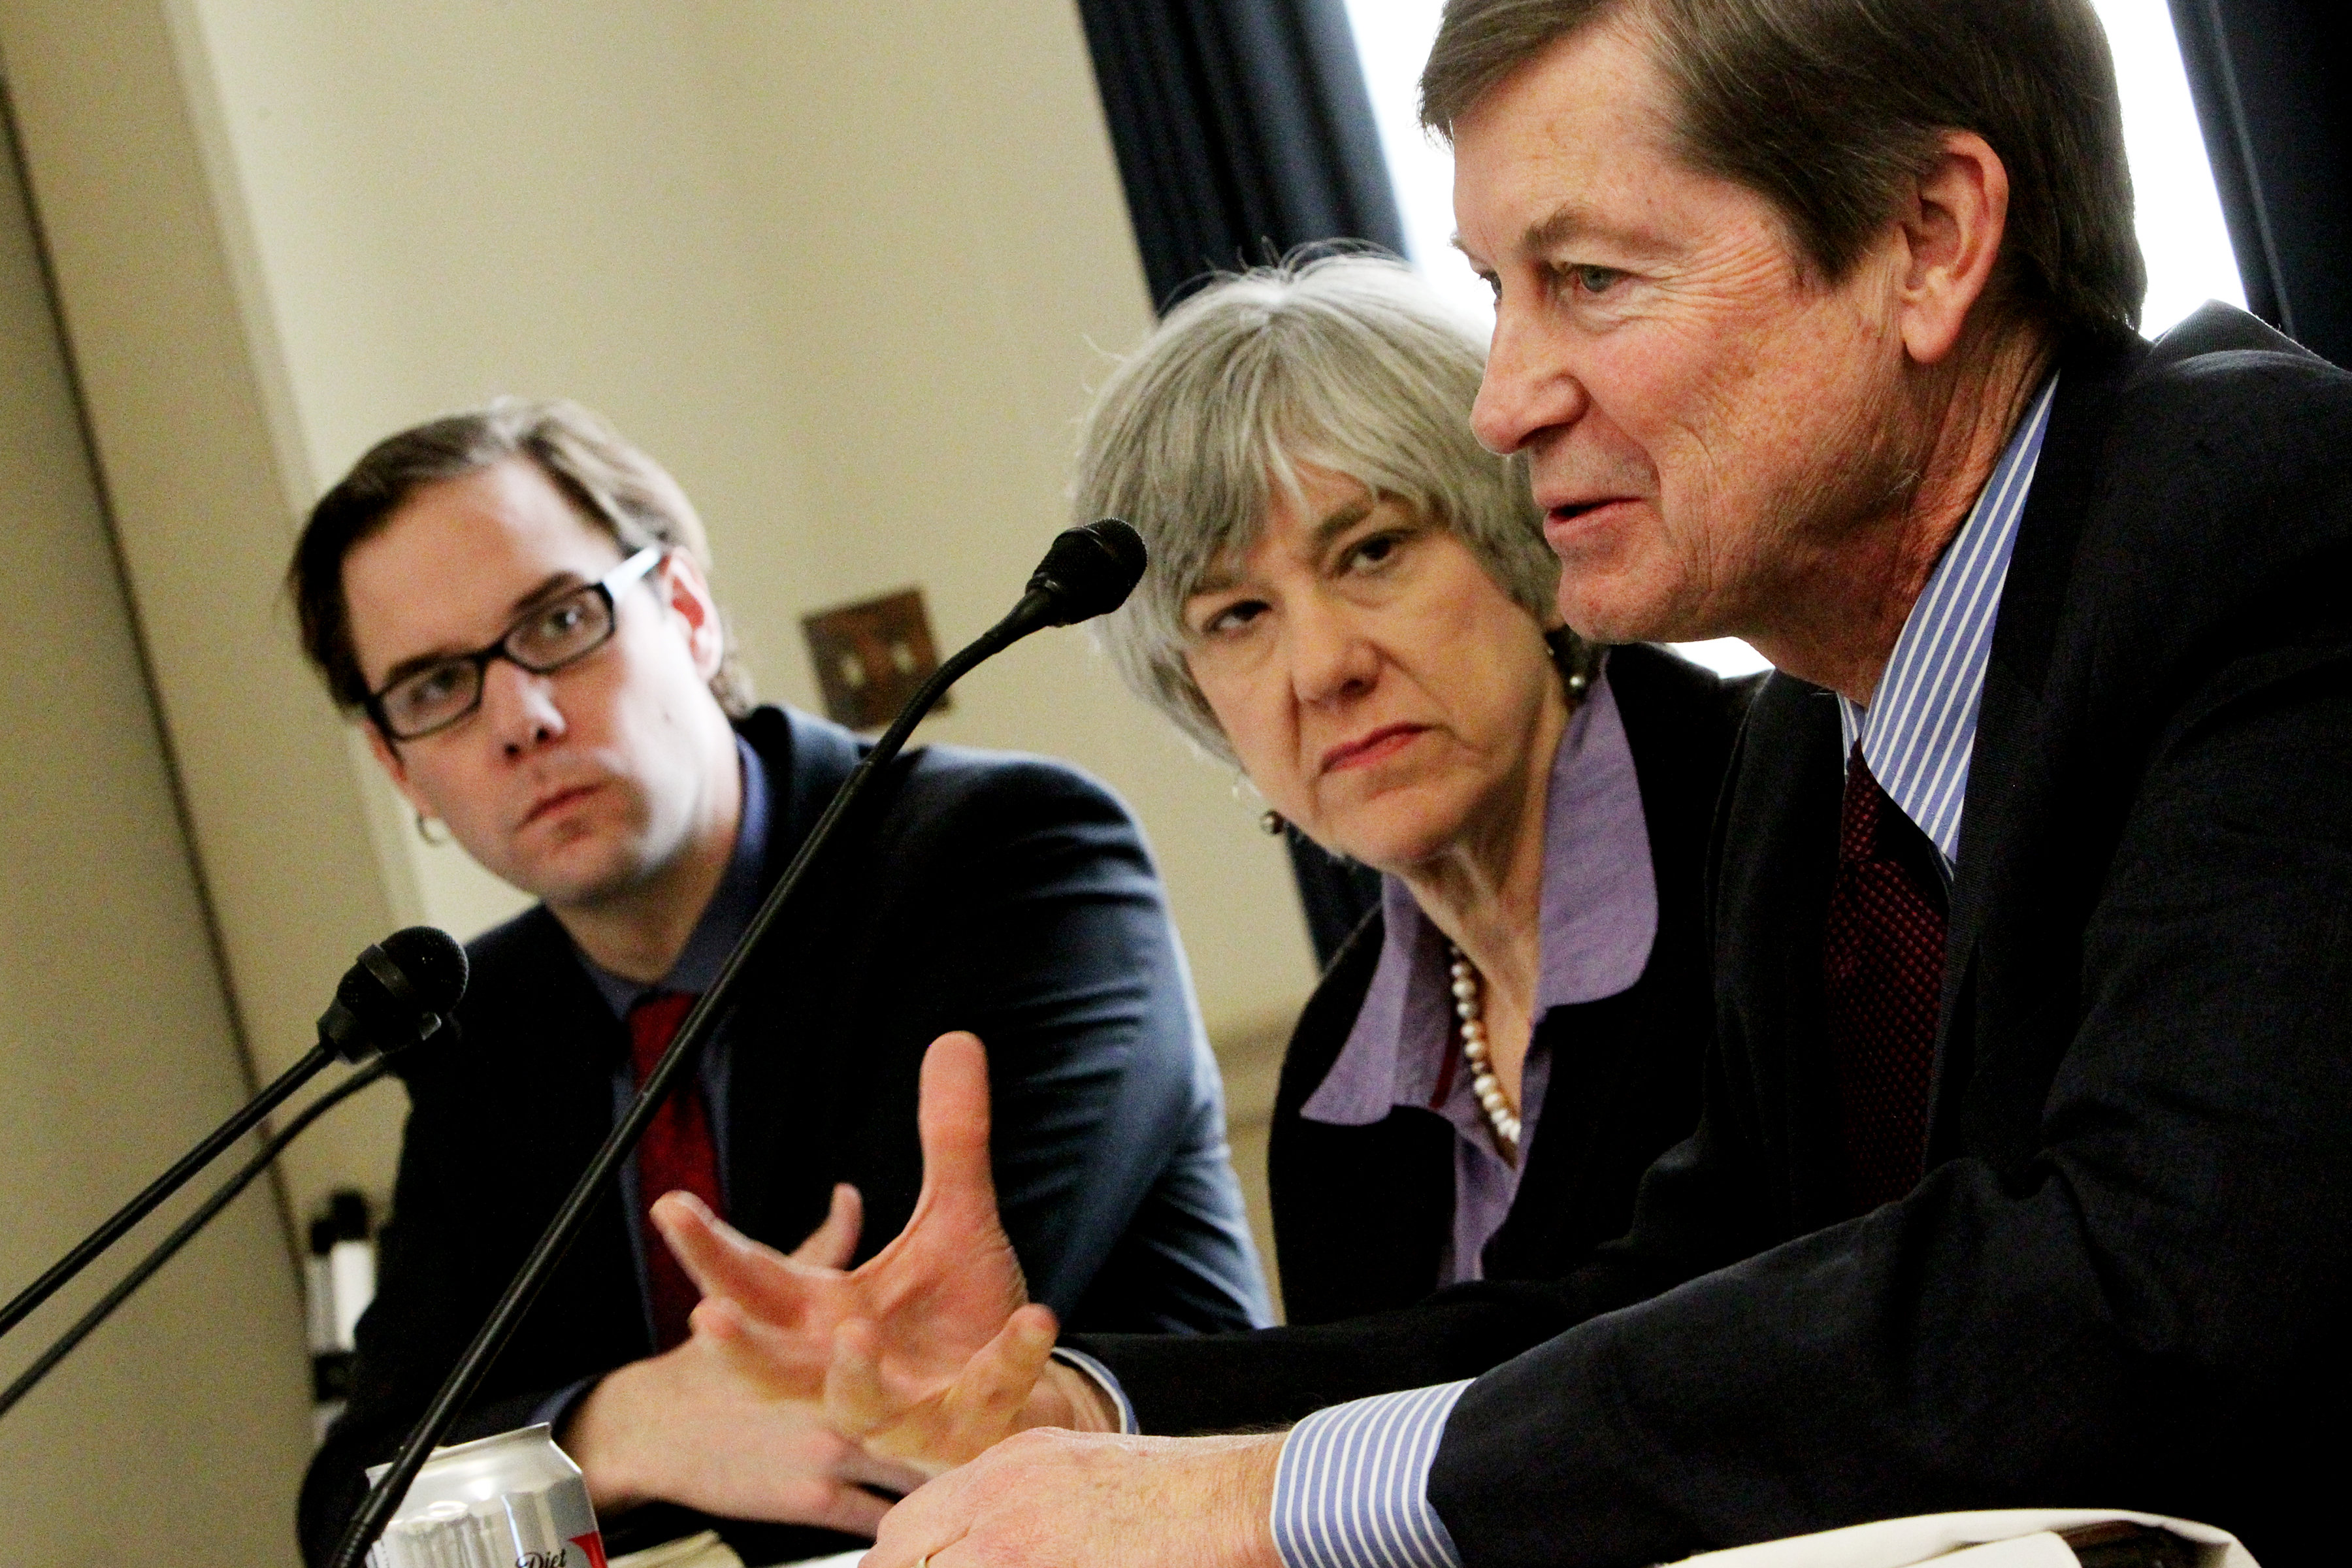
x=1381 y=691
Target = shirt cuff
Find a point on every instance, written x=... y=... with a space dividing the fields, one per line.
x=1103 y=1379
x=1351 y=1488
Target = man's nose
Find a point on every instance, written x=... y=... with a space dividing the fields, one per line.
x=520 y=707
x=1528 y=387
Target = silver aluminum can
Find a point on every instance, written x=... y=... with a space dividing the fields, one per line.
x=515 y=1500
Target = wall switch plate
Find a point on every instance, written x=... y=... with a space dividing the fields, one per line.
x=871 y=656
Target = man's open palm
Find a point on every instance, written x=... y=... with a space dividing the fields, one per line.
x=942 y=1290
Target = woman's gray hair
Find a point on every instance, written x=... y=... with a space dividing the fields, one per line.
x=1350 y=364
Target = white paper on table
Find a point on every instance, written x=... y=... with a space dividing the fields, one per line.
x=1992 y=1538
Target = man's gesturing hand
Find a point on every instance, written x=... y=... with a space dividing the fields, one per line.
x=933 y=1423
x=686 y=1427
x=944 y=1289
x=689 y=1426
x=1069 y=1499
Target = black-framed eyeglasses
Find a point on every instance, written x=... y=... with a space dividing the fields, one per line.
x=543 y=639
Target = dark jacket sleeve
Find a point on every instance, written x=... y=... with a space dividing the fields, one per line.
x=1269 y=1378
x=1113 y=1175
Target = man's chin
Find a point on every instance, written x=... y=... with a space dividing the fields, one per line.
x=580 y=875
x=1621 y=607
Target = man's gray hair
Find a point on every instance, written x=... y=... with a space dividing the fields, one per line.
x=1350 y=364
x=1830 y=109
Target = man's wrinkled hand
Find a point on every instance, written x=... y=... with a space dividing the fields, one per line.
x=934 y=1423
x=1069 y=1499
x=944 y=1289
x=690 y=1426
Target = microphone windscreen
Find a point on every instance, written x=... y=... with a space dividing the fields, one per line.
x=400 y=991
x=1090 y=571
x=433 y=963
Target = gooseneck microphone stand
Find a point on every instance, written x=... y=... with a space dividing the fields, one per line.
x=55 y=1277
x=397 y=993
x=1088 y=571
x=185 y=1232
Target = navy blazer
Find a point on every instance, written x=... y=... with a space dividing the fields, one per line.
x=1010 y=895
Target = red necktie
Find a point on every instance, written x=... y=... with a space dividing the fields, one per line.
x=678 y=1152
x=1883 y=968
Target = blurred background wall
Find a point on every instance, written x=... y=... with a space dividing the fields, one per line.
x=849 y=271
x=117 y=1040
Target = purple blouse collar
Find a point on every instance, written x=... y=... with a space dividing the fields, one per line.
x=1599 y=919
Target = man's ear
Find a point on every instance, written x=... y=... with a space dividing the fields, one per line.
x=688 y=593
x=387 y=757
x=1952 y=234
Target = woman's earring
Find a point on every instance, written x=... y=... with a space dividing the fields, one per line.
x=1577 y=661
x=1270 y=823
x=425 y=830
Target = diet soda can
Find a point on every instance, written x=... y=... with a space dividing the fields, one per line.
x=515 y=1500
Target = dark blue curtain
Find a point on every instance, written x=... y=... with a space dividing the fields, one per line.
x=1243 y=132
x=2273 y=84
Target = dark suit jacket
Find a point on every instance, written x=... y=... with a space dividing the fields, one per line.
x=2122 y=1282
x=1007 y=895
x=1363 y=1215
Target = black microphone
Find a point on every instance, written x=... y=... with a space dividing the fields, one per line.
x=1086 y=571
x=399 y=992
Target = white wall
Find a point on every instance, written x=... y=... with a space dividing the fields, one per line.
x=848 y=269
x=178 y=394
x=171 y=1435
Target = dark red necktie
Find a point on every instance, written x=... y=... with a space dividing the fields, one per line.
x=678 y=1152
x=1883 y=968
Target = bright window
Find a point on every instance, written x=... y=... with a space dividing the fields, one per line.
x=2180 y=216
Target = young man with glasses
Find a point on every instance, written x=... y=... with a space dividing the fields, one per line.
x=514 y=603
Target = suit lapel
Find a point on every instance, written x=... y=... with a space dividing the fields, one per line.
x=1772 y=859
x=549 y=1045
x=812 y=758
x=2012 y=752
x=769 y=1104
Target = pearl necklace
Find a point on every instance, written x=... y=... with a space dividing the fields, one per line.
x=1483 y=1081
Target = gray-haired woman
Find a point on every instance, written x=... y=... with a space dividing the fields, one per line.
x=1352 y=601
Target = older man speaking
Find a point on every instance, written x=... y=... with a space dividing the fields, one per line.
x=2025 y=1170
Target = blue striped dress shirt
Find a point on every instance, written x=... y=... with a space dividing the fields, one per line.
x=1921 y=724
x=1351 y=1488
